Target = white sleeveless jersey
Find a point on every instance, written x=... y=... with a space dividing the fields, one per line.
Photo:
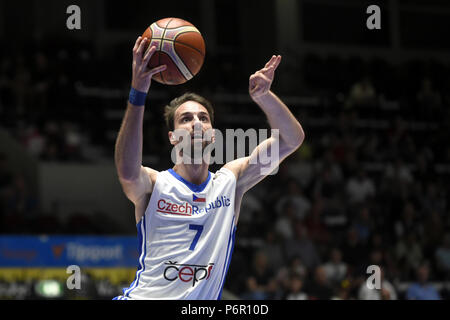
x=186 y=238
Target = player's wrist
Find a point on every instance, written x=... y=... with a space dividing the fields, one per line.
x=137 y=97
x=260 y=98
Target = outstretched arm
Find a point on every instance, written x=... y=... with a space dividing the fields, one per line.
x=250 y=170
x=135 y=179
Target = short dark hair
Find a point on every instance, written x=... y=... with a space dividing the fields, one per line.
x=169 y=110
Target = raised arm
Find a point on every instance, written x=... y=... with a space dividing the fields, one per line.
x=250 y=170
x=135 y=179
x=278 y=114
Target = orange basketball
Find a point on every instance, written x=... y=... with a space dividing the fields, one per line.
x=180 y=46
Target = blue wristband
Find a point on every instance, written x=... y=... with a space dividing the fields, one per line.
x=137 y=98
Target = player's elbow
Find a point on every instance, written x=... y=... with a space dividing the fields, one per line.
x=296 y=140
x=300 y=138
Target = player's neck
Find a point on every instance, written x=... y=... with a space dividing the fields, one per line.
x=194 y=173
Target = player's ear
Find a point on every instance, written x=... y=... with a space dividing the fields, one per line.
x=172 y=138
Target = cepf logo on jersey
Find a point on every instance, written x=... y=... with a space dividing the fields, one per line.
x=186 y=209
x=187 y=272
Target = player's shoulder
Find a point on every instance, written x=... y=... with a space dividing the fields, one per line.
x=235 y=166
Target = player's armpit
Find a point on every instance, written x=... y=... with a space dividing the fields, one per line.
x=137 y=189
x=263 y=160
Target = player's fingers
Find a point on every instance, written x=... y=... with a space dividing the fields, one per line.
x=254 y=87
x=263 y=77
x=156 y=70
x=267 y=70
x=141 y=47
x=136 y=44
x=270 y=62
x=276 y=62
x=149 y=54
x=254 y=81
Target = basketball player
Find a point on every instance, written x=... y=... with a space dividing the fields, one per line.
x=187 y=216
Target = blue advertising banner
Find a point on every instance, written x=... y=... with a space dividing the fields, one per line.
x=62 y=251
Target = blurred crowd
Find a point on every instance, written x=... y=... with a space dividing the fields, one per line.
x=368 y=187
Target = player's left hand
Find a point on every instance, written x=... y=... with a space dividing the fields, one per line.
x=261 y=81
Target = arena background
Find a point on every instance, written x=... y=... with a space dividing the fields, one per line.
x=369 y=186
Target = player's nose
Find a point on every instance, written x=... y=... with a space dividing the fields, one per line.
x=197 y=124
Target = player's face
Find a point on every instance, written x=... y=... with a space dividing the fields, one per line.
x=193 y=118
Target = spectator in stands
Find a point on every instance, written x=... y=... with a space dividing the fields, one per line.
x=341 y=292
x=251 y=205
x=302 y=246
x=364 y=224
x=273 y=248
x=73 y=141
x=295 y=290
x=301 y=168
x=283 y=275
x=295 y=197
x=422 y=289
x=399 y=172
x=284 y=223
x=328 y=191
x=329 y=163
x=54 y=141
x=408 y=222
x=386 y=291
x=34 y=141
x=335 y=269
x=327 y=185
x=261 y=283
x=408 y=254
x=319 y=288
x=317 y=228
x=360 y=188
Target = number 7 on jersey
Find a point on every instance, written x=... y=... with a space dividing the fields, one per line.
x=199 y=229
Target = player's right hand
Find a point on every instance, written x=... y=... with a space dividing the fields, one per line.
x=142 y=76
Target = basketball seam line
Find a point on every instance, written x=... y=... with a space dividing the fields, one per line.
x=187 y=45
x=160 y=47
x=178 y=68
x=183 y=43
x=179 y=27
